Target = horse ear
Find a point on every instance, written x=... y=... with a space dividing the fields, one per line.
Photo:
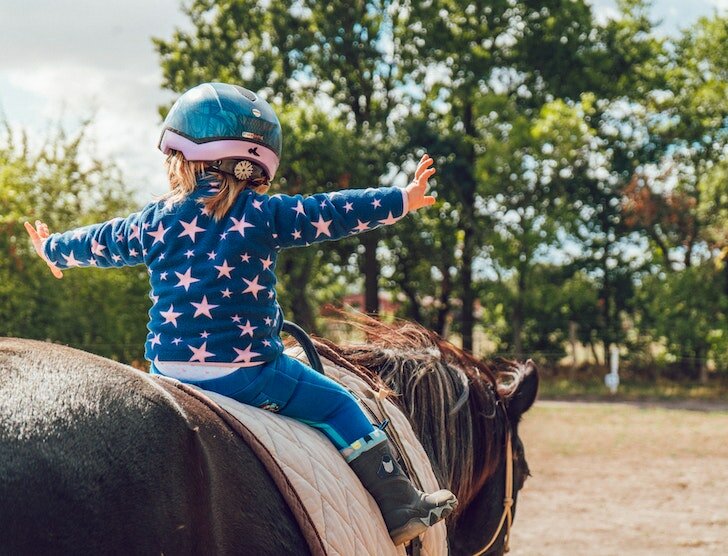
x=524 y=396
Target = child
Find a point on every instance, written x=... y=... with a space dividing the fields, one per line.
x=210 y=246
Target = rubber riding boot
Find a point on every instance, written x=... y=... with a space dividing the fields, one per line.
x=407 y=512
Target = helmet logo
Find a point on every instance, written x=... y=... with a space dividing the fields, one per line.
x=243 y=169
x=256 y=112
x=253 y=151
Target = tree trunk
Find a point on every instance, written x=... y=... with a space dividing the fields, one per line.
x=701 y=367
x=443 y=311
x=370 y=269
x=298 y=270
x=467 y=225
x=519 y=315
x=413 y=308
x=573 y=326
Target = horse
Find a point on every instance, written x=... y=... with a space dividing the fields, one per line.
x=97 y=457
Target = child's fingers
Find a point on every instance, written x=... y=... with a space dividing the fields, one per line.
x=56 y=271
x=31 y=231
x=428 y=200
x=422 y=166
x=424 y=176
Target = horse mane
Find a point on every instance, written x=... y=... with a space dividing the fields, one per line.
x=449 y=396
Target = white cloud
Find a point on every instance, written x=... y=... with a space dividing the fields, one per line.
x=70 y=60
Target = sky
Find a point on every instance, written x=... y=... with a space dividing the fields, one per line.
x=68 y=60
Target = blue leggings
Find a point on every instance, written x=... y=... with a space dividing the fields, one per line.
x=289 y=387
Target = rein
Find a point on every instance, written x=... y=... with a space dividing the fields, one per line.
x=507 y=515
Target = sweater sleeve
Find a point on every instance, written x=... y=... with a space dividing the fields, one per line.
x=116 y=243
x=297 y=221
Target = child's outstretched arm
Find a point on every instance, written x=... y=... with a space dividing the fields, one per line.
x=118 y=242
x=297 y=220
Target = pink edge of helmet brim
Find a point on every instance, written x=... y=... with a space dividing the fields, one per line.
x=217 y=150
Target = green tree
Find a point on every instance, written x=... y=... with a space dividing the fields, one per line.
x=100 y=311
x=682 y=309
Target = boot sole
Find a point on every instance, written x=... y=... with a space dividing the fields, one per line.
x=418 y=525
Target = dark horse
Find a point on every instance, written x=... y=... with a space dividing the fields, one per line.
x=96 y=457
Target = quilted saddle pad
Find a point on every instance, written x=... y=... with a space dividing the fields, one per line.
x=346 y=518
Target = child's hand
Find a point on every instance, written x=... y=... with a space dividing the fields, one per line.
x=37 y=235
x=416 y=190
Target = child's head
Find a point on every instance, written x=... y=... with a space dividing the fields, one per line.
x=226 y=130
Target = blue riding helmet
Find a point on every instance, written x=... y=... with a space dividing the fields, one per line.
x=218 y=121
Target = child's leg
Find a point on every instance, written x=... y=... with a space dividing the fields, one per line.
x=300 y=392
x=324 y=404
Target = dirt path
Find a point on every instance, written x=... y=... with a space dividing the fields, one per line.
x=614 y=479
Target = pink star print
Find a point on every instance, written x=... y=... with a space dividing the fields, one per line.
x=203 y=308
x=298 y=209
x=244 y=355
x=253 y=286
x=170 y=316
x=155 y=341
x=211 y=256
x=191 y=229
x=186 y=279
x=246 y=329
x=135 y=233
x=97 y=249
x=226 y=293
x=322 y=227
x=258 y=205
x=235 y=318
x=240 y=225
x=245 y=257
x=361 y=226
x=200 y=353
x=224 y=269
x=376 y=203
x=71 y=260
x=348 y=207
x=296 y=234
x=115 y=258
x=177 y=341
x=78 y=234
x=189 y=253
x=389 y=220
x=158 y=235
x=266 y=262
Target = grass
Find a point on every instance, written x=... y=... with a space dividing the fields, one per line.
x=630 y=390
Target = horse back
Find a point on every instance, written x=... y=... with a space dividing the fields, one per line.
x=95 y=457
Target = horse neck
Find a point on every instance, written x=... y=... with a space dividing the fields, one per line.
x=464 y=446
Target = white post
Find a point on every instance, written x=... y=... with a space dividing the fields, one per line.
x=612 y=379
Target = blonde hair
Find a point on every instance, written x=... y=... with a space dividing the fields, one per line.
x=182 y=175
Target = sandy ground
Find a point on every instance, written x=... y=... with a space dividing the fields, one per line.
x=622 y=479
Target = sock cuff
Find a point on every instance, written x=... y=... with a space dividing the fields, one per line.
x=366 y=442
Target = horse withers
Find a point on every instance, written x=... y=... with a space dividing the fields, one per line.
x=95 y=457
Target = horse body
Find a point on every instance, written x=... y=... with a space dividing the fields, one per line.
x=96 y=457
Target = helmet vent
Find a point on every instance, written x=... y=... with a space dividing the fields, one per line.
x=247 y=93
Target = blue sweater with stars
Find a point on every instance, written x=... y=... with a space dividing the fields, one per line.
x=213 y=282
